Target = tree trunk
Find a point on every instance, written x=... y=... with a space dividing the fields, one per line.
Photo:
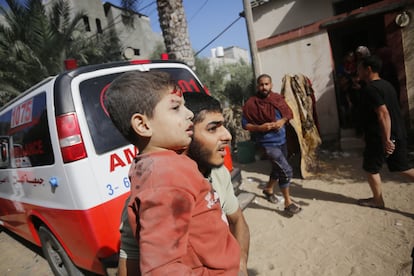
x=174 y=29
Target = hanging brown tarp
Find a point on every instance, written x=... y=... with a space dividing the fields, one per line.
x=299 y=95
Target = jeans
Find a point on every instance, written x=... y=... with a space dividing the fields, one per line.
x=281 y=170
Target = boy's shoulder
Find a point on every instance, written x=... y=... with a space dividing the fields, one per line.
x=159 y=156
x=166 y=162
x=170 y=169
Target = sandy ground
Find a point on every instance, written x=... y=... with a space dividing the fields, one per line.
x=331 y=236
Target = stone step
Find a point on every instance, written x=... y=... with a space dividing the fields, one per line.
x=245 y=198
x=349 y=141
x=352 y=144
x=347 y=132
x=236 y=178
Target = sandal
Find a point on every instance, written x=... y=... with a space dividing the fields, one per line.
x=369 y=202
x=271 y=197
x=293 y=209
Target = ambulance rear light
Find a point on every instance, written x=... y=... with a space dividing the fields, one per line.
x=70 y=64
x=70 y=138
x=164 y=56
x=140 y=61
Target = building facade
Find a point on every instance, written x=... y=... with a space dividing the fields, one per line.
x=229 y=55
x=137 y=41
x=312 y=37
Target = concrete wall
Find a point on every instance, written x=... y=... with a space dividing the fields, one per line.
x=140 y=36
x=309 y=56
x=310 y=53
x=237 y=53
x=94 y=9
x=231 y=55
x=276 y=17
x=408 y=42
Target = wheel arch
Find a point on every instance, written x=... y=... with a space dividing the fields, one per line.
x=35 y=221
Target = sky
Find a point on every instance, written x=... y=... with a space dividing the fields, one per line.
x=206 y=19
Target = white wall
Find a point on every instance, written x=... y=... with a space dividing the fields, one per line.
x=276 y=17
x=408 y=42
x=310 y=56
x=94 y=9
x=231 y=55
x=140 y=36
x=237 y=53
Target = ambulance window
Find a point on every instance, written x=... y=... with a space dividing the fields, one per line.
x=26 y=130
x=184 y=79
x=104 y=134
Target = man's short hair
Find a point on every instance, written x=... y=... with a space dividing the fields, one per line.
x=363 y=51
x=263 y=76
x=135 y=92
x=200 y=104
x=372 y=61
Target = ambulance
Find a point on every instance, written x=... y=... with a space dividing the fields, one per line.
x=64 y=165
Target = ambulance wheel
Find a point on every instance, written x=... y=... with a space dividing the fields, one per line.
x=56 y=256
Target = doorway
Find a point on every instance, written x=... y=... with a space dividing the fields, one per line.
x=345 y=38
x=382 y=37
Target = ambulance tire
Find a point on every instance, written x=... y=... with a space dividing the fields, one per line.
x=56 y=256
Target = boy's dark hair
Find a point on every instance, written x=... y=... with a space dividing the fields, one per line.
x=373 y=61
x=200 y=104
x=135 y=92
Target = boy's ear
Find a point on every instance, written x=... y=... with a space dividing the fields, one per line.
x=141 y=125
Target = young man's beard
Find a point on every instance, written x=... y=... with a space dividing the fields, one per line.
x=201 y=155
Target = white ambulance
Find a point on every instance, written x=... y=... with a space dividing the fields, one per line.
x=63 y=165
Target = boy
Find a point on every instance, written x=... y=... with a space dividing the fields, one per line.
x=207 y=149
x=174 y=214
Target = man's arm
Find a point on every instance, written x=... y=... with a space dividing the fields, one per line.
x=240 y=230
x=385 y=124
x=266 y=126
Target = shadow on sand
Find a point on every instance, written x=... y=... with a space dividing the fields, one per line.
x=333 y=168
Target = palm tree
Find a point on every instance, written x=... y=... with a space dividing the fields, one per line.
x=173 y=24
x=33 y=46
x=34 y=43
x=20 y=64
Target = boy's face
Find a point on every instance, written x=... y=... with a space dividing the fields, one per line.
x=209 y=141
x=171 y=123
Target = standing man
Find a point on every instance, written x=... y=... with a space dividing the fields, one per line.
x=385 y=134
x=207 y=148
x=265 y=115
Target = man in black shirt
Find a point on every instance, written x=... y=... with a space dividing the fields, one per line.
x=385 y=134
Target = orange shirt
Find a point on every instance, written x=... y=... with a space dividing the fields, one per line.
x=177 y=219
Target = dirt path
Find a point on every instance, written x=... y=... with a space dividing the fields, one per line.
x=331 y=236
x=19 y=258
